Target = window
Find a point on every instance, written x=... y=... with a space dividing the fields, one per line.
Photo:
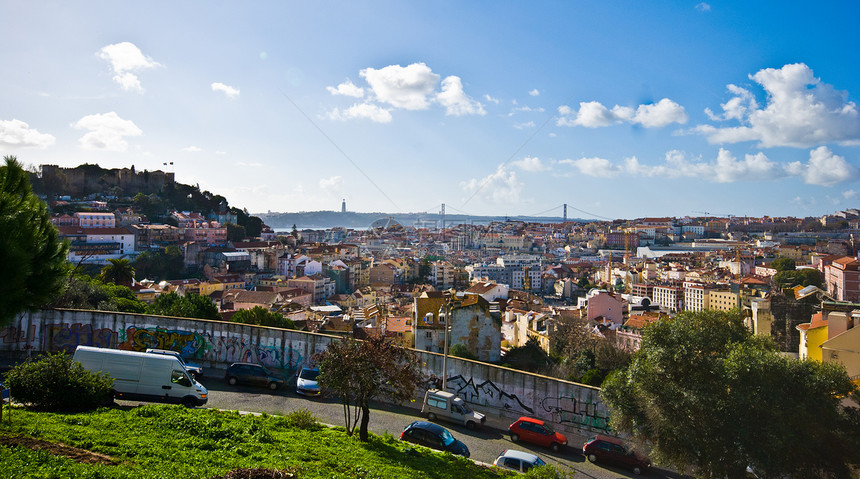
x=512 y=463
x=179 y=377
x=437 y=402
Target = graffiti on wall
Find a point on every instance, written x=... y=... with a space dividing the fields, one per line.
x=189 y=344
x=229 y=349
x=485 y=393
x=586 y=413
x=67 y=337
x=18 y=335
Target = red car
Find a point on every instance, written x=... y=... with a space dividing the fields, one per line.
x=538 y=432
x=612 y=451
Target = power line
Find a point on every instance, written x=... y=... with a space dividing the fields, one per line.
x=340 y=150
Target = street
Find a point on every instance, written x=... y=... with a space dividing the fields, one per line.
x=485 y=443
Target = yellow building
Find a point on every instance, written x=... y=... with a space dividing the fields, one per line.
x=812 y=335
x=842 y=344
x=722 y=300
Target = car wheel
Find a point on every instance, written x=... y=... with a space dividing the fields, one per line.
x=592 y=458
x=470 y=425
x=431 y=416
x=637 y=470
x=273 y=386
x=555 y=447
x=515 y=437
x=189 y=402
x=232 y=381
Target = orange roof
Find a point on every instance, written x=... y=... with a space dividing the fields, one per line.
x=639 y=321
x=817 y=321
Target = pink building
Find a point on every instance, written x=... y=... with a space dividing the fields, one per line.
x=609 y=306
x=207 y=232
x=842 y=278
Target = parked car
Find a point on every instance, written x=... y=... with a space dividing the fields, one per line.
x=518 y=460
x=193 y=369
x=613 y=451
x=537 y=432
x=433 y=436
x=445 y=405
x=252 y=375
x=306 y=382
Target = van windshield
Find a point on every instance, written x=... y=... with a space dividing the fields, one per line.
x=463 y=405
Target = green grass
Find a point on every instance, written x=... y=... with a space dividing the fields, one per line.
x=157 y=441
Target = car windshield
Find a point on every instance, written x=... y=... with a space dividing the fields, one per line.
x=309 y=374
x=539 y=462
x=548 y=428
x=447 y=438
x=462 y=404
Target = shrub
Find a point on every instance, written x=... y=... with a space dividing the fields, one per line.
x=56 y=383
x=302 y=419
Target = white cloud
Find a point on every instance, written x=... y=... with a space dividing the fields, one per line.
x=107 y=132
x=824 y=168
x=597 y=167
x=333 y=184
x=662 y=113
x=849 y=194
x=801 y=111
x=455 y=100
x=16 y=133
x=534 y=92
x=226 y=89
x=491 y=99
x=524 y=126
x=365 y=111
x=409 y=87
x=192 y=149
x=531 y=164
x=501 y=186
x=593 y=114
x=221 y=153
x=346 y=88
x=703 y=7
x=526 y=109
x=126 y=58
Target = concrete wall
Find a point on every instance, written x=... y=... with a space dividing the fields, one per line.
x=501 y=393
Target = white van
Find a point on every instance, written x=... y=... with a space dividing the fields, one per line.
x=445 y=405
x=144 y=377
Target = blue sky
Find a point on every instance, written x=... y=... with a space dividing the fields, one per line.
x=617 y=109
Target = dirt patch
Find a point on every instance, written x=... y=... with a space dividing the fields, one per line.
x=257 y=474
x=74 y=453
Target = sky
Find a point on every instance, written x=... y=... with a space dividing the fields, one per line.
x=619 y=109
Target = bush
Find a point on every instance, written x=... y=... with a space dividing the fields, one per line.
x=302 y=419
x=56 y=383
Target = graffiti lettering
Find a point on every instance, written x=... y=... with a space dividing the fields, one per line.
x=492 y=395
x=571 y=410
x=15 y=335
x=63 y=337
x=187 y=343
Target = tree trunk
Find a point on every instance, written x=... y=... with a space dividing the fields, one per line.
x=365 y=420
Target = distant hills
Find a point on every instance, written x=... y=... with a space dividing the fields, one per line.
x=354 y=220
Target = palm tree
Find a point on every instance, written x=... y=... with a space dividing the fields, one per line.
x=118 y=271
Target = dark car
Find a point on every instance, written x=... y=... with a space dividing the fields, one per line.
x=252 y=375
x=433 y=436
x=613 y=451
x=537 y=432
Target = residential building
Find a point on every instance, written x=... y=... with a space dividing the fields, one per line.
x=95 y=220
x=842 y=279
x=97 y=245
x=812 y=335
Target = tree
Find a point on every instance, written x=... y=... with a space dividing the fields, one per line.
x=361 y=371
x=783 y=264
x=261 y=316
x=118 y=271
x=189 y=306
x=235 y=233
x=32 y=257
x=797 y=277
x=162 y=264
x=714 y=399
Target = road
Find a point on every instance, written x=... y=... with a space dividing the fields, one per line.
x=484 y=444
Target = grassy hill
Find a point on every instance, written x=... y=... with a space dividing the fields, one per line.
x=157 y=441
